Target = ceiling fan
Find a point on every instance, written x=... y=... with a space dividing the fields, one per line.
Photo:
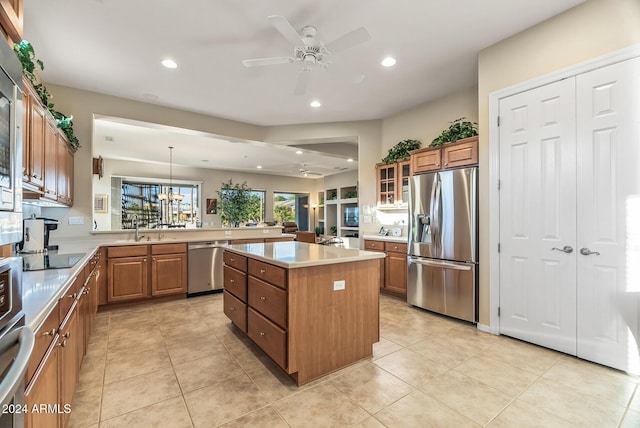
x=310 y=51
x=306 y=172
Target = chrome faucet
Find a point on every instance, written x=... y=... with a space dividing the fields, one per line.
x=138 y=237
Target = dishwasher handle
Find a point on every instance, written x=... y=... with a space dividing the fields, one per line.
x=210 y=244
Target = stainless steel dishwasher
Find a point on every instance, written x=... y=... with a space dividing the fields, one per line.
x=205 y=267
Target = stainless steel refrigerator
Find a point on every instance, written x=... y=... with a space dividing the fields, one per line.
x=443 y=242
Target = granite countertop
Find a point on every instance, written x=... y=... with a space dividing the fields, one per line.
x=295 y=254
x=402 y=239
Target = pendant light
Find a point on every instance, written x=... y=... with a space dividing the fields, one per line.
x=170 y=196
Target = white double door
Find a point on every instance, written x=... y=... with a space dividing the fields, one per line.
x=570 y=215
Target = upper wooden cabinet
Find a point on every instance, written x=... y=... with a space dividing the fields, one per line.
x=450 y=155
x=11 y=20
x=392 y=181
x=47 y=156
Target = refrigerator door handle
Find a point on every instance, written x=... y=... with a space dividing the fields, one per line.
x=435 y=215
x=442 y=265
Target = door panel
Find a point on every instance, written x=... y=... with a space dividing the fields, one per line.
x=608 y=202
x=456 y=216
x=538 y=214
x=422 y=190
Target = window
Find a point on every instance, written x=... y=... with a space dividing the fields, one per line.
x=291 y=207
x=139 y=200
x=257 y=206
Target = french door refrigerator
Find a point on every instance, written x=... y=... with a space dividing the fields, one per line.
x=443 y=245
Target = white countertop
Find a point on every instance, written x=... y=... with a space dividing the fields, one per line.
x=403 y=239
x=295 y=254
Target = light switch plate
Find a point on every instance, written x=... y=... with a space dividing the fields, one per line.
x=367 y=218
x=338 y=285
x=76 y=220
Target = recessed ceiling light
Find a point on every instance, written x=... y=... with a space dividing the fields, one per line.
x=298 y=152
x=169 y=63
x=259 y=166
x=315 y=104
x=350 y=160
x=389 y=61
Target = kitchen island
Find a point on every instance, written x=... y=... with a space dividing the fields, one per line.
x=312 y=308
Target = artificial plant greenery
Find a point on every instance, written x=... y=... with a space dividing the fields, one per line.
x=458 y=129
x=401 y=151
x=27 y=57
x=235 y=202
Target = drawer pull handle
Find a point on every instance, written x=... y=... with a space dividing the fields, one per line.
x=63 y=344
x=263 y=298
x=231 y=308
x=232 y=259
x=73 y=296
x=262 y=271
x=50 y=333
x=67 y=335
x=262 y=333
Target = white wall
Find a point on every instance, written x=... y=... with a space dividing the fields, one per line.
x=591 y=29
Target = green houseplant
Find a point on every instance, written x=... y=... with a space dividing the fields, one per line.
x=401 y=151
x=458 y=129
x=27 y=57
x=235 y=203
x=319 y=230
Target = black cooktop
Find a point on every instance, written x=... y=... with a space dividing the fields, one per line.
x=42 y=261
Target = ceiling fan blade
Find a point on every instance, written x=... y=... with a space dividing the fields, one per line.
x=284 y=27
x=348 y=40
x=267 y=61
x=348 y=74
x=303 y=82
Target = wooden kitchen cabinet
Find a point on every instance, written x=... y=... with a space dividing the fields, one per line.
x=64 y=167
x=12 y=20
x=386 y=181
x=50 y=160
x=101 y=279
x=396 y=269
x=35 y=124
x=285 y=313
x=393 y=275
x=128 y=278
x=71 y=352
x=450 y=155
x=143 y=271
x=168 y=274
x=44 y=389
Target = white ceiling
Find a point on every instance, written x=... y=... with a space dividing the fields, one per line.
x=115 y=47
x=124 y=139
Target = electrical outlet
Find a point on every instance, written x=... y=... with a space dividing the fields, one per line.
x=367 y=219
x=338 y=285
x=265 y=231
x=76 y=220
x=227 y=232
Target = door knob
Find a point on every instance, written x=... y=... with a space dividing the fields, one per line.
x=588 y=252
x=566 y=249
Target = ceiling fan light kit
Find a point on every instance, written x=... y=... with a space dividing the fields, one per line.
x=310 y=51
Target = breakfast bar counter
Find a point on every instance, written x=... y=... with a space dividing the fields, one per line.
x=313 y=309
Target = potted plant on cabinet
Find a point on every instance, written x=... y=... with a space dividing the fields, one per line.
x=457 y=130
x=401 y=151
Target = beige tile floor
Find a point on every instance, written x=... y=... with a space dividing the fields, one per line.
x=182 y=364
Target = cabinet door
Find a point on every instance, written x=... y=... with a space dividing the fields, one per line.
x=69 y=174
x=37 y=131
x=128 y=279
x=386 y=183
x=71 y=351
x=370 y=245
x=168 y=274
x=402 y=187
x=50 y=161
x=26 y=134
x=101 y=279
x=43 y=390
x=12 y=19
x=461 y=153
x=396 y=273
x=426 y=160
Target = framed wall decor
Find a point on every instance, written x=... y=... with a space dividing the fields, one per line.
x=100 y=203
x=212 y=206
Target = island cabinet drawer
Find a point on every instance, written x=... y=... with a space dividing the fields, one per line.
x=272 y=274
x=168 y=248
x=235 y=260
x=270 y=301
x=268 y=336
x=127 y=251
x=235 y=310
x=44 y=336
x=395 y=247
x=235 y=282
x=373 y=245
